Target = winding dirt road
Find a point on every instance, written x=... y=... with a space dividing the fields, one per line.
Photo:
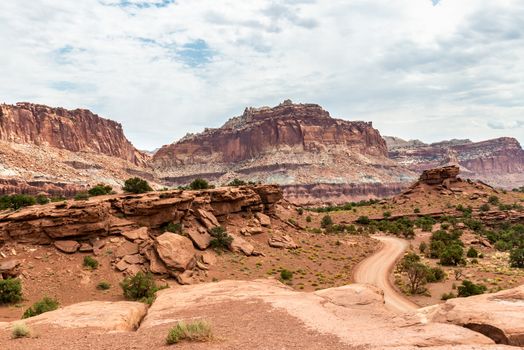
x=377 y=269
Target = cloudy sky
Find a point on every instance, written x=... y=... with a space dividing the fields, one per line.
x=425 y=69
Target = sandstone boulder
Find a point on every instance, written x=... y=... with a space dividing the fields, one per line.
x=127 y=248
x=263 y=219
x=85 y=248
x=102 y=315
x=141 y=233
x=241 y=245
x=199 y=236
x=175 y=251
x=68 y=247
x=283 y=241
x=9 y=268
x=500 y=316
x=156 y=265
x=207 y=218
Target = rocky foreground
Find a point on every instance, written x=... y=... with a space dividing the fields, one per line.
x=264 y=314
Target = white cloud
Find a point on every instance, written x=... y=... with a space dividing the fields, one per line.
x=163 y=68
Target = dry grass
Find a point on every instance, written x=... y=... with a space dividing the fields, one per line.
x=20 y=330
x=193 y=331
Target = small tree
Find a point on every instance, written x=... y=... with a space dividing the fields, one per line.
x=417 y=274
x=326 y=221
x=199 y=184
x=141 y=287
x=10 y=291
x=516 y=257
x=100 y=190
x=221 y=239
x=136 y=185
x=451 y=255
x=237 y=182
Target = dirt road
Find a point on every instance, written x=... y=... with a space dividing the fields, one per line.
x=377 y=269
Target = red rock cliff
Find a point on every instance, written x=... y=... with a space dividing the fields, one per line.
x=76 y=130
x=306 y=127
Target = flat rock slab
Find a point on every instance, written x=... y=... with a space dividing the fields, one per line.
x=68 y=247
x=127 y=248
x=102 y=315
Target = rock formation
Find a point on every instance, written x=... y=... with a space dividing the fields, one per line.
x=498 y=161
x=291 y=145
x=78 y=130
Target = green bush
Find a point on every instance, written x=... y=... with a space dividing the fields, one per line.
x=100 y=190
x=10 y=291
x=175 y=228
x=81 y=196
x=16 y=201
x=472 y=253
x=422 y=247
x=435 y=274
x=237 y=182
x=469 y=288
x=136 y=185
x=140 y=287
x=300 y=211
x=308 y=218
x=363 y=220
x=42 y=199
x=41 y=306
x=485 y=207
x=286 y=275
x=103 y=285
x=90 y=262
x=386 y=214
x=493 y=200
x=221 y=240
x=451 y=255
x=326 y=221
x=516 y=258
x=193 y=331
x=199 y=184
x=416 y=210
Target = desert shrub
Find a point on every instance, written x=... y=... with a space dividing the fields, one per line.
x=90 y=262
x=493 y=200
x=472 y=253
x=136 y=185
x=193 y=331
x=286 y=275
x=300 y=211
x=308 y=218
x=386 y=214
x=326 y=221
x=42 y=199
x=516 y=258
x=199 y=184
x=103 y=285
x=447 y=296
x=469 y=288
x=221 y=239
x=20 y=330
x=237 y=182
x=100 y=190
x=484 y=207
x=435 y=274
x=81 y=196
x=175 y=228
x=16 y=201
x=44 y=305
x=423 y=246
x=451 y=255
x=416 y=210
x=140 y=287
x=10 y=291
x=363 y=220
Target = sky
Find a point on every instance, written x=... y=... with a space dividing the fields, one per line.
x=418 y=69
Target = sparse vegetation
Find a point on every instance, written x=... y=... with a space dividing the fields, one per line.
x=81 y=196
x=326 y=221
x=199 y=184
x=472 y=253
x=286 y=275
x=42 y=199
x=10 y=291
x=175 y=228
x=100 y=190
x=221 y=239
x=485 y=207
x=46 y=304
x=90 y=262
x=20 y=330
x=103 y=285
x=447 y=296
x=237 y=182
x=516 y=258
x=363 y=220
x=192 y=331
x=16 y=201
x=140 y=287
x=136 y=185
x=308 y=219
x=347 y=206
x=469 y=288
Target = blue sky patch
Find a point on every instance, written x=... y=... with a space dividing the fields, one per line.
x=195 y=53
